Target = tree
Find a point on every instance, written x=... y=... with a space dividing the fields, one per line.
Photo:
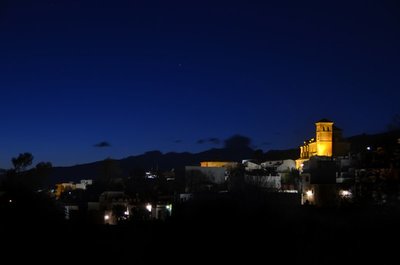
x=258 y=155
x=196 y=181
x=44 y=166
x=110 y=171
x=41 y=173
x=21 y=162
x=394 y=123
x=236 y=178
x=291 y=177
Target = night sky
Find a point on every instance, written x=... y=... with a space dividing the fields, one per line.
x=84 y=80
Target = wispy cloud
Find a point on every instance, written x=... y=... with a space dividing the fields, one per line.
x=102 y=144
x=214 y=140
x=210 y=140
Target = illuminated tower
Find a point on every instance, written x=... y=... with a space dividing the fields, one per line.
x=324 y=135
x=328 y=142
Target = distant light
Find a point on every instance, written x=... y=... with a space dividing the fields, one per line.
x=309 y=193
x=169 y=207
x=10 y=201
x=290 y=191
x=149 y=175
x=126 y=212
x=369 y=148
x=149 y=207
x=302 y=165
x=345 y=193
x=106 y=217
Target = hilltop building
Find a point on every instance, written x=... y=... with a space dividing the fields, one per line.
x=319 y=164
x=328 y=142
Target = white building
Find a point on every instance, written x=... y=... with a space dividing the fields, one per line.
x=249 y=165
x=280 y=166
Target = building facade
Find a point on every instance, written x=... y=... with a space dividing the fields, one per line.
x=318 y=164
x=328 y=142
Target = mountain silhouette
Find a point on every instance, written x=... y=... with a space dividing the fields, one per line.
x=387 y=140
x=152 y=160
x=236 y=150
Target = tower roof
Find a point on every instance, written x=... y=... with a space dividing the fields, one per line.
x=324 y=120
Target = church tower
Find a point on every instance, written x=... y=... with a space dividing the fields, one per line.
x=327 y=142
x=324 y=135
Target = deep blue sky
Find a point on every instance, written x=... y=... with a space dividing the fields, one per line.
x=161 y=75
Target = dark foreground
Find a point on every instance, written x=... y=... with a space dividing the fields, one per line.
x=295 y=235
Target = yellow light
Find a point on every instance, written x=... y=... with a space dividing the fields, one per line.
x=106 y=217
x=309 y=193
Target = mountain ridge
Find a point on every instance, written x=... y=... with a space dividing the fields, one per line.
x=156 y=160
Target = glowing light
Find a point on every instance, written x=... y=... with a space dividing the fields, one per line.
x=289 y=191
x=149 y=175
x=345 y=193
x=106 y=217
x=10 y=201
x=368 y=148
x=126 y=213
x=149 y=207
x=309 y=193
x=169 y=207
